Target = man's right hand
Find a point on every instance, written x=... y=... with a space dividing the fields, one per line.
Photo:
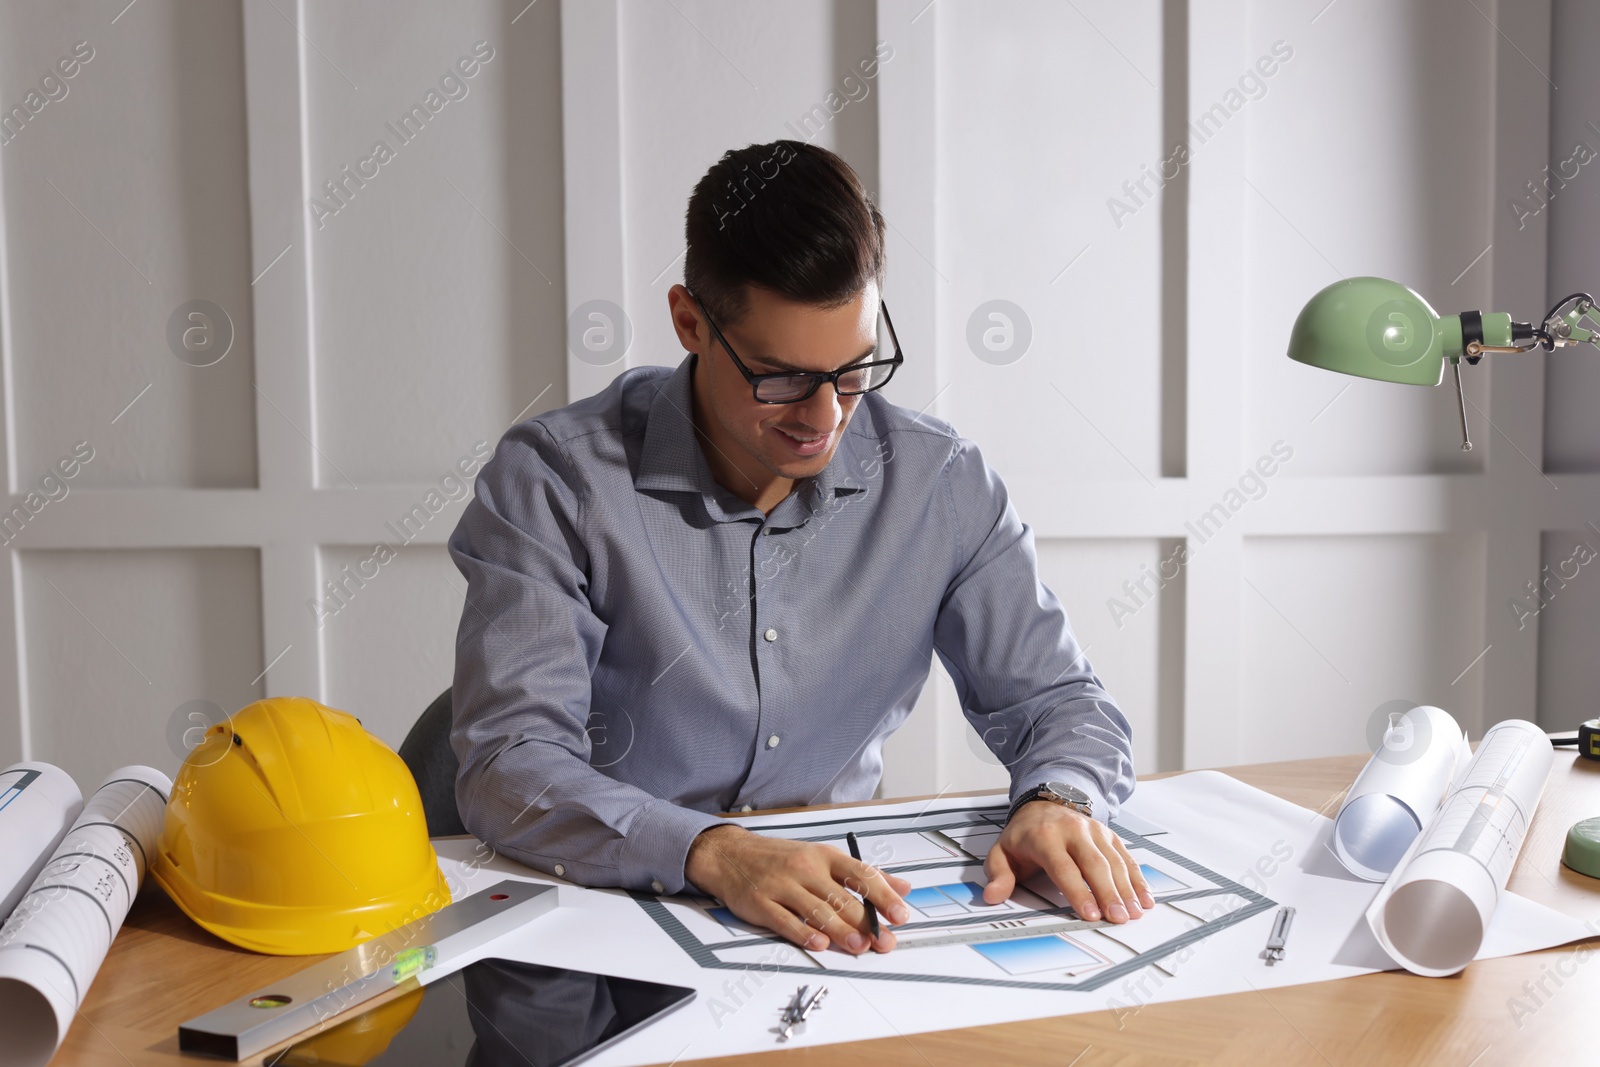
x=801 y=890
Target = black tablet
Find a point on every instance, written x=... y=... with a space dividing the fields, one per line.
x=495 y=1013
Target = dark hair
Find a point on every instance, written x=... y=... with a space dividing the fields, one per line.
x=787 y=216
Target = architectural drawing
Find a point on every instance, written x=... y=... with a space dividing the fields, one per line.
x=1032 y=941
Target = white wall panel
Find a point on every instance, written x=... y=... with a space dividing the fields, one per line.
x=433 y=279
x=1388 y=180
x=1041 y=119
x=119 y=641
x=701 y=77
x=1335 y=628
x=123 y=200
x=1562 y=613
x=389 y=645
x=1124 y=598
x=1523 y=498
x=1572 y=379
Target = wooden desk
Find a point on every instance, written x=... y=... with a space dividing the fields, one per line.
x=164 y=969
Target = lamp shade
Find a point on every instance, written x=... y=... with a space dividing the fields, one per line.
x=1375 y=328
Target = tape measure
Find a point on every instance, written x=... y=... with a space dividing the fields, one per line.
x=1586 y=739
x=1589 y=739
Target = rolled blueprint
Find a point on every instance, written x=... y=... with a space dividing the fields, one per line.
x=1432 y=913
x=37 y=805
x=54 y=942
x=1398 y=792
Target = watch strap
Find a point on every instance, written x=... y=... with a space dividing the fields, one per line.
x=1041 y=790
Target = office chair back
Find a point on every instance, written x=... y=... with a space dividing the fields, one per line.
x=426 y=750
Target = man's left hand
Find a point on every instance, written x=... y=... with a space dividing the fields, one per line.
x=1085 y=859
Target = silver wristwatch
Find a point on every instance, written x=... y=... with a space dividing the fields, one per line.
x=1068 y=796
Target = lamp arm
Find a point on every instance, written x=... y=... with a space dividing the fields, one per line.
x=1561 y=328
x=1469 y=333
x=1478 y=334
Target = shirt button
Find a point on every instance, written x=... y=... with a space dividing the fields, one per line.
x=772 y=742
x=771 y=634
x=657 y=886
x=561 y=870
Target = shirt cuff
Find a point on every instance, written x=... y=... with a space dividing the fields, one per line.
x=657 y=843
x=1070 y=776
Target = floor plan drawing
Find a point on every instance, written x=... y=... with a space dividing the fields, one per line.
x=1032 y=941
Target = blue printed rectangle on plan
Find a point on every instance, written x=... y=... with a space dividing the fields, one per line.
x=1160 y=881
x=1029 y=955
x=952 y=898
x=927 y=897
x=968 y=893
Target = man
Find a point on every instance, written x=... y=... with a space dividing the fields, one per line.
x=720 y=587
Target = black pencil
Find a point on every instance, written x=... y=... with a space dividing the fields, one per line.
x=872 y=913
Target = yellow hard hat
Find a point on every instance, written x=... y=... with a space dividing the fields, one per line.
x=291 y=830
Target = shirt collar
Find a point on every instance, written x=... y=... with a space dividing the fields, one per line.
x=672 y=460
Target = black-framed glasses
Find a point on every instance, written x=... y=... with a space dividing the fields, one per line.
x=791 y=387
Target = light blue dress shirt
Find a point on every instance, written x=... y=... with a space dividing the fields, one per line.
x=640 y=648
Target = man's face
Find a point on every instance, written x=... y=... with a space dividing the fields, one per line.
x=789 y=440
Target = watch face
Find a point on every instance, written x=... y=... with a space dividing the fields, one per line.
x=1067 y=792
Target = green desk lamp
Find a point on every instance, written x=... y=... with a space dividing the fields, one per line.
x=1374 y=328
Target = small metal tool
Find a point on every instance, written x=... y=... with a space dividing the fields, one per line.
x=1279 y=939
x=799 y=1007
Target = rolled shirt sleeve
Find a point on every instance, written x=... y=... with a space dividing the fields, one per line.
x=1023 y=681
x=526 y=651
